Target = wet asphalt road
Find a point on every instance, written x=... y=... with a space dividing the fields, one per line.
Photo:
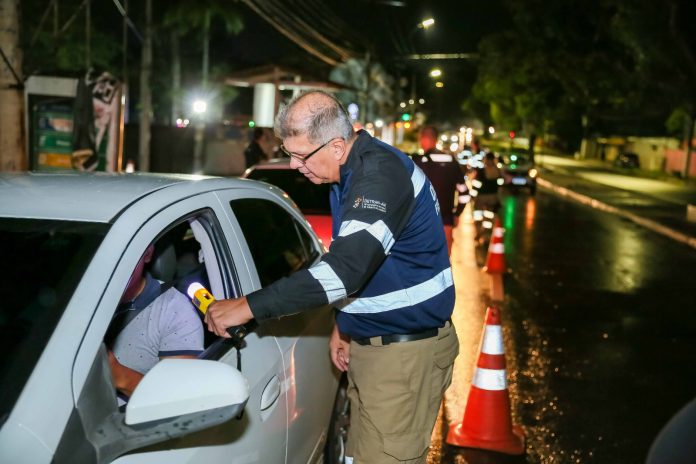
x=600 y=324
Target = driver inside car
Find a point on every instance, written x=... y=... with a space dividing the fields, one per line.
x=153 y=321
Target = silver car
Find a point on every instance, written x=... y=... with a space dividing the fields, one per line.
x=69 y=243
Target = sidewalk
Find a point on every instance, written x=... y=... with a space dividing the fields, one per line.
x=657 y=204
x=472 y=287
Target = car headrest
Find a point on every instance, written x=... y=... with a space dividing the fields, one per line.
x=163 y=264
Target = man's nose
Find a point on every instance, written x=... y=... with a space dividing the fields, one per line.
x=294 y=164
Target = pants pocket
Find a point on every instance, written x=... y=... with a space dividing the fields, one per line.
x=406 y=446
x=446 y=349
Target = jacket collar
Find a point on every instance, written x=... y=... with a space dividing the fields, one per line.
x=361 y=142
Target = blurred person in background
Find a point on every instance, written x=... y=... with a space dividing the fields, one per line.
x=446 y=177
x=255 y=152
x=484 y=179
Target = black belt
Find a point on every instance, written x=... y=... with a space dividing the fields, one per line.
x=398 y=338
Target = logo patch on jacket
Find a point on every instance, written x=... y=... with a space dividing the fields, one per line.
x=366 y=203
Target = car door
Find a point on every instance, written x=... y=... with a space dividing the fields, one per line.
x=259 y=434
x=279 y=231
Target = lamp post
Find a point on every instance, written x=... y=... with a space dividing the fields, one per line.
x=423 y=25
x=199 y=109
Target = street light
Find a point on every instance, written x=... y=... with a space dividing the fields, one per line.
x=426 y=23
x=200 y=106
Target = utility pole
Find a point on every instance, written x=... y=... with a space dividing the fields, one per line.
x=145 y=93
x=12 y=156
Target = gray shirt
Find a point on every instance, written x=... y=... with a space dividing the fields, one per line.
x=168 y=326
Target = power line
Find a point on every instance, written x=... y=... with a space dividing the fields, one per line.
x=291 y=35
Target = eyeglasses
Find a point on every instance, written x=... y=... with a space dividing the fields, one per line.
x=303 y=158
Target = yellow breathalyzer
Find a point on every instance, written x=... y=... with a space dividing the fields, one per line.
x=200 y=296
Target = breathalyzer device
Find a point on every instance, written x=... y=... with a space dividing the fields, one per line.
x=202 y=299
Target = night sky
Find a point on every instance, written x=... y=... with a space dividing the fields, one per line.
x=378 y=25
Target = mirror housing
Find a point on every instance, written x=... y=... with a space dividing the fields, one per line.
x=177 y=387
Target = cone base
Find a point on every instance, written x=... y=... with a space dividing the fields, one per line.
x=512 y=444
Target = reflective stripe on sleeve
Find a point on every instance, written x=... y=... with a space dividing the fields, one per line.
x=330 y=282
x=418 y=180
x=402 y=298
x=378 y=230
x=490 y=379
x=441 y=157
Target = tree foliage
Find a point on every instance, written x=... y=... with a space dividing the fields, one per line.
x=617 y=65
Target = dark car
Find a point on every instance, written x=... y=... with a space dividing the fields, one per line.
x=627 y=160
x=313 y=200
x=519 y=171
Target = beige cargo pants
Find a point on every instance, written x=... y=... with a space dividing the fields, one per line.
x=395 y=393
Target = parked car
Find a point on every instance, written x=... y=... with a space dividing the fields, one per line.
x=519 y=171
x=627 y=160
x=313 y=200
x=69 y=243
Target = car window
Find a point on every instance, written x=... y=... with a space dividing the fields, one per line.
x=278 y=243
x=310 y=198
x=45 y=261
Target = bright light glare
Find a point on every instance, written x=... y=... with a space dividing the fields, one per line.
x=491 y=130
x=402 y=104
x=411 y=102
x=443 y=137
x=379 y=123
x=200 y=106
x=436 y=72
x=454 y=146
x=421 y=101
x=439 y=85
x=427 y=23
x=454 y=138
x=533 y=173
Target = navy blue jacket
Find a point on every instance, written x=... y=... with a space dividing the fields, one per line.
x=387 y=270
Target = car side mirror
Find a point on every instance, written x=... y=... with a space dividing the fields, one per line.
x=175 y=398
x=176 y=387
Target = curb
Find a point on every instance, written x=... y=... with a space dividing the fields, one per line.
x=647 y=223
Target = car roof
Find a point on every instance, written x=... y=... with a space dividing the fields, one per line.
x=275 y=163
x=92 y=197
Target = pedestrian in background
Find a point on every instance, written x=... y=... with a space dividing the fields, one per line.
x=448 y=179
x=254 y=152
x=393 y=335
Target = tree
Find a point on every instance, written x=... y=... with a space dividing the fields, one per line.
x=185 y=18
x=373 y=87
x=659 y=37
x=12 y=156
x=552 y=67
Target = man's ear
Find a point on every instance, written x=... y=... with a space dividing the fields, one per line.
x=338 y=148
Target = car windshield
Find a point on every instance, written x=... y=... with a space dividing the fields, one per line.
x=310 y=198
x=43 y=262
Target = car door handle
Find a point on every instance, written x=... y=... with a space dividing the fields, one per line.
x=270 y=394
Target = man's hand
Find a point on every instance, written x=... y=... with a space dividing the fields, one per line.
x=339 y=345
x=227 y=313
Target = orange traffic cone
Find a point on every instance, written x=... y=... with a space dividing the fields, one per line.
x=495 y=262
x=487 y=423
